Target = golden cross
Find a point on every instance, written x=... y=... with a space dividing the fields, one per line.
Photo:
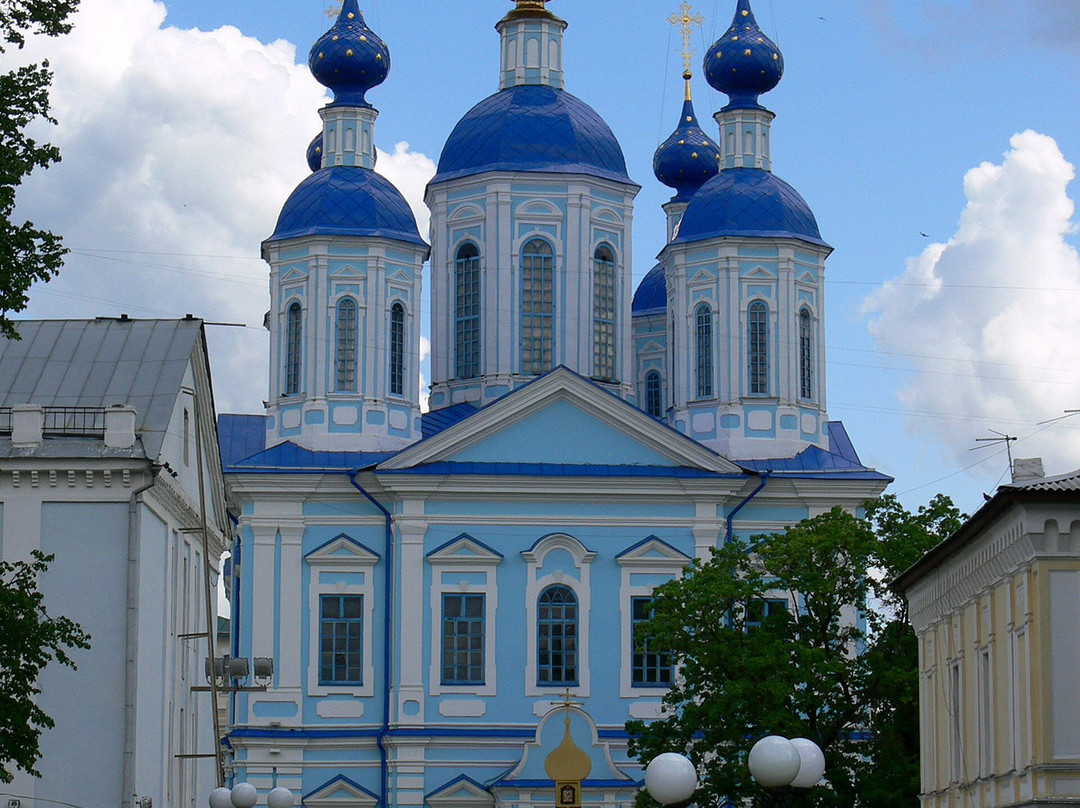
x=333 y=13
x=686 y=21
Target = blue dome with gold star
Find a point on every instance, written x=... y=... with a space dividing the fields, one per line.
x=532 y=128
x=314 y=153
x=349 y=58
x=744 y=63
x=651 y=294
x=687 y=159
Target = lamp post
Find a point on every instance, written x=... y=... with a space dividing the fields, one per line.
x=244 y=795
x=786 y=768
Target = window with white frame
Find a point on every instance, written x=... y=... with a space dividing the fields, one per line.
x=604 y=313
x=293 y=346
x=645 y=672
x=557 y=606
x=537 y=306
x=397 y=350
x=345 y=329
x=341 y=603
x=463 y=599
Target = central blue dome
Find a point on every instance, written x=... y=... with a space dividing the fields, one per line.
x=748 y=202
x=532 y=128
x=347 y=201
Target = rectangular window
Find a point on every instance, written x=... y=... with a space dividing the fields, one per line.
x=463 y=640
x=955 y=740
x=649 y=668
x=759 y=611
x=341 y=634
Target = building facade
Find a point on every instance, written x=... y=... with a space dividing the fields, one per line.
x=102 y=426
x=440 y=590
x=995 y=608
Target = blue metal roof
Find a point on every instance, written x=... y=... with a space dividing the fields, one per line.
x=841 y=459
x=748 y=202
x=347 y=201
x=434 y=422
x=651 y=294
x=286 y=456
x=240 y=436
x=532 y=128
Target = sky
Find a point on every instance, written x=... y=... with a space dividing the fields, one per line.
x=934 y=140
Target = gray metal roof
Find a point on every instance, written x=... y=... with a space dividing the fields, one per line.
x=98 y=363
x=1063 y=482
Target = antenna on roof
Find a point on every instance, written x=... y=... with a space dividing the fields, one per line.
x=1000 y=438
x=1068 y=414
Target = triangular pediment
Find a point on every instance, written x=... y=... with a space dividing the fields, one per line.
x=465 y=549
x=652 y=347
x=704 y=276
x=759 y=273
x=293 y=275
x=463 y=791
x=399 y=277
x=342 y=549
x=653 y=552
x=346 y=272
x=341 y=792
x=562 y=419
x=807 y=278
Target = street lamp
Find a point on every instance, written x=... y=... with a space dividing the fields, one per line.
x=244 y=795
x=774 y=762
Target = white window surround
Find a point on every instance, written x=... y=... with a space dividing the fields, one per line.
x=535 y=584
x=345 y=555
x=463 y=555
x=652 y=556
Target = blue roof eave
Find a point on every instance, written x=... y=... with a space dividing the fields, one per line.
x=772 y=234
x=534 y=168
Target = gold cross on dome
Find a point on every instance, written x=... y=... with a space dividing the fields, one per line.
x=333 y=12
x=685 y=20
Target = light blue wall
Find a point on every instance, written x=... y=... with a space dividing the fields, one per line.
x=562 y=433
x=87 y=582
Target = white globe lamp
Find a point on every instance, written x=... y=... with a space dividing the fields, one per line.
x=670 y=778
x=812 y=763
x=244 y=795
x=774 y=762
x=280 y=798
x=221 y=798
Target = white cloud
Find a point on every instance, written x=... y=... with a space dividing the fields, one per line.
x=179 y=149
x=992 y=318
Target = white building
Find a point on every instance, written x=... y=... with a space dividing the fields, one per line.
x=102 y=423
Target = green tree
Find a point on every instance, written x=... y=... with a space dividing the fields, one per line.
x=817 y=672
x=29 y=640
x=27 y=253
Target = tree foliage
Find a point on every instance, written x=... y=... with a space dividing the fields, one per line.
x=29 y=640
x=27 y=253
x=840 y=669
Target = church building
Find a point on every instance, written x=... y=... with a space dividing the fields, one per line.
x=447 y=593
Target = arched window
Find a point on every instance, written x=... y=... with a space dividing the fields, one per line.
x=604 y=314
x=467 y=312
x=557 y=637
x=293 y=347
x=806 y=355
x=537 y=307
x=758 y=348
x=653 y=394
x=345 y=339
x=397 y=350
x=704 y=352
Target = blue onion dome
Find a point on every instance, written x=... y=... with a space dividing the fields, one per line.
x=748 y=202
x=532 y=128
x=314 y=153
x=349 y=58
x=651 y=294
x=687 y=159
x=347 y=201
x=744 y=63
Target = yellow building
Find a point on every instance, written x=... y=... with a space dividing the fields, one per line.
x=996 y=608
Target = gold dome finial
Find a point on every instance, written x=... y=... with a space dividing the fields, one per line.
x=530 y=8
x=567 y=762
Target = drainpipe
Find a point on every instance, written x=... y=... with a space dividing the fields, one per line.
x=387 y=638
x=131 y=636
x=234 y=608
x=743 y=504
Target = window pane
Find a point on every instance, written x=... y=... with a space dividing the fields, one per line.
x=341 y=633
x=346 y=346
x=467 y=312
x=806 y=356
x=649 y=668
x=463 y=639
x=704 y=352
x=397 y=350
x=556 y=632
x=537 y=307
x=293 y=346
x=758 y=348
x=604 y=314
x=653 y=395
